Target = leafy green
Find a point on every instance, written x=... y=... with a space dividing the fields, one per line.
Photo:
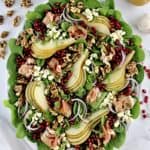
x=92 y=4
x=12 y=79
x=42 y=146
x=126 y=28
x=103 y=11
x=137 y=40
x=139 y=55
x=119 y=139
x=11 y=64
x=140 y=76
x=12 y=96
x=13 y=109
x=15 y=48
x=42 y=8
x=118 y=15
x=90 y=80
x=48 y=116
x=135 y=111
x=52 y=2
x=109 y=146
x=28 y=24
x=119 y=129
x=32 y=15
x=81 y=92
x=40 y=62
x=65 y=25
x=21 y=131
x=96 y=105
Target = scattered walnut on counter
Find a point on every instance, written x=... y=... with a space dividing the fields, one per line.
x=1 y=19
x=4 y=34
x=16 y=21
x=26 y=3
x=9 y=3
x=3 y=45
x=10 y=13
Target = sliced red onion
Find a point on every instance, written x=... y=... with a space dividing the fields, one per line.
x=127 y=83
x=123 y=58
x=111 y=109
x=134 y=85
x=29 y=127
x=26 y=109
x=65 y=18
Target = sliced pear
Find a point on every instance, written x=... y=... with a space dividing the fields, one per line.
x=115 y=81
x=100 y=23
x=79 y=76
x=47 y=49
x=79 y=135
x=35 y=95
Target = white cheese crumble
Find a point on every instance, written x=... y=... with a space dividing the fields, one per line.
x=118 y=35
x=42 y=74
x=90 y=14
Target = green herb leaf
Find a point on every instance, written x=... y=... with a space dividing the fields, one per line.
x=65 y=26
x=81 y=92
x=15 y=48
x=135 y=111
x=140 y=76
x=48 y=116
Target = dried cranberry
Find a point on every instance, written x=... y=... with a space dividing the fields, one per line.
x=127 y=91
x=101 y=86
x=111 y=119
x=115 y=24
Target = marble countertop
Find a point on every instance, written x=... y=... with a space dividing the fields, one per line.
x=138 y=136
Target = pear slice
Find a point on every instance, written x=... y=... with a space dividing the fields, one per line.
x=78 y=77
x=35 y=95
x=100 y=23
x=79 y=135
x=47 y=49
x=115 y=81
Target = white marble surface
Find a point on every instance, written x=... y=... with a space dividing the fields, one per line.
x=138 y=137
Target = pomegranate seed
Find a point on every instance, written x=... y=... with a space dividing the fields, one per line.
x=141 y=102
x=143 y=111
x=144 y=91
x=144 y=116
x=146 y=99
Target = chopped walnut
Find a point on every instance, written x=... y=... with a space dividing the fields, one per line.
x=1 y=19
x=123 y=103
x=9 y=3
x=80 y=5
x=131 y=69
x=4 y=34
x=16 y=21
x=20 y=101
x=29 y=31
x=26 y=70
x=21 y=80
x=104 y=70
x=26 y=3
x=54 y=90
x=18 y=89
x=3 y=45
x=10 y=13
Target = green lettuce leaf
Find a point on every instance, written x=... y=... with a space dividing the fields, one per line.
x=135 y=111
x=12 y=96
x=14 y=117
x=15 y=48
x=137 y=40
x=28 y=24
x=11 y=64
x=51 y=2
x=42 y=8
x=126 y=27
x=21 y=131
x=33 y=15
x=139 y=55
x=140 y=76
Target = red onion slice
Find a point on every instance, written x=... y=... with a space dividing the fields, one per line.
x=123 y=58
x=26 y=109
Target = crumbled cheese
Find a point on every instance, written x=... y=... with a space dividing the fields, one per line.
x=94 y=55
x=117 y=123
x=88 y=62
x=50 y=78
x=90 y=14
x=96 y=69
x=118 y=35
x=108 y=100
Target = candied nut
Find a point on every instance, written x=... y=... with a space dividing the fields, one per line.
x=16 y=21
x=10 y=13
x=4 y=34
x=3 y=45
x=26 y=3
x=1 y=19
x=131 y=69
x=9 y=3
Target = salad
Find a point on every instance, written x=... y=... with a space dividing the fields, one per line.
x=74 y=76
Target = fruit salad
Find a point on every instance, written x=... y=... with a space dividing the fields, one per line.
x=74 y=76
